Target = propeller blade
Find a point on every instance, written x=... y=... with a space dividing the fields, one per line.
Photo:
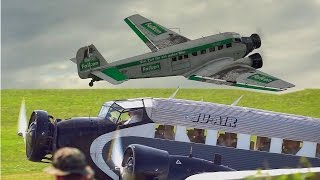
x=174 y=94
x=22 y=121
x=116 y=150
x=260 y=32
x=236 y=101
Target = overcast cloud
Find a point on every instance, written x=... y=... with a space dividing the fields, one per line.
x=39 y=37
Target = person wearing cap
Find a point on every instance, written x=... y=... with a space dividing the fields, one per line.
x=70 y=164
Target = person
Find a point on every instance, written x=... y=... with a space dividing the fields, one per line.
x=160 y=132
x=135 y=116
x=165 y=132
x=264 y=144
x=231 y=139
x=196 y=135
x=318 y=150
x=70 y=164
x=290 y=147
x=169 y=132
x=221 y=140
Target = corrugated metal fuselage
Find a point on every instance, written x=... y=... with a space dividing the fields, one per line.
x=82 y=132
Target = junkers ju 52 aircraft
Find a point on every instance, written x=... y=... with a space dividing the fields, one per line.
x=154 y=128
x=219 y=59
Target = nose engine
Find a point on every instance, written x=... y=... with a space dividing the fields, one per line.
x=252 y=42
x=39 y=136
x=256 y=40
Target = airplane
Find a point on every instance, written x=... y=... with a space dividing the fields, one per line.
x=222 y=59
x=167 y=129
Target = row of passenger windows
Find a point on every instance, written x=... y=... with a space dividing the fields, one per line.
x=204 y=51
x=257 y=143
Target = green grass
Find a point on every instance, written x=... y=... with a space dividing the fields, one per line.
x=69 y=103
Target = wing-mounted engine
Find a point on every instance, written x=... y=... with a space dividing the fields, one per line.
x=39 y=136
x=256 y=61
x=143 y=162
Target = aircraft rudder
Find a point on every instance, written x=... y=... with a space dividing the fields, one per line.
x=88 y=58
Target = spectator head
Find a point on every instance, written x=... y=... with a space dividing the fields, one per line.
x=69 y=163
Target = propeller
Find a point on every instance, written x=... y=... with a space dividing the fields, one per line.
x=260 y=32
x=22 y=121
x=116 y=151
x=235 y=103
x=175 y=93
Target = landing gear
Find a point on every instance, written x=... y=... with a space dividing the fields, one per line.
x=93 y=79
x=91 y=83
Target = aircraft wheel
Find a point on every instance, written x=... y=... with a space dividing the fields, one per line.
x=91 y=83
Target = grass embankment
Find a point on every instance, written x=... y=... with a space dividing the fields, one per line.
x=70 y=103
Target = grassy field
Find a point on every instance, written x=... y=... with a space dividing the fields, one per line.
x=69 y=103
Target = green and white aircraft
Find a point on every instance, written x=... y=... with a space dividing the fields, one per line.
x=218 y=59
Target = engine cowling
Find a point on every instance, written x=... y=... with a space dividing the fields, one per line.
x=256 y=60
x=252 y=42
x=143 y=162
x=256 y=40
x=38 y=136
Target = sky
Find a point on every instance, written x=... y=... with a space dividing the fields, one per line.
x=39 y=37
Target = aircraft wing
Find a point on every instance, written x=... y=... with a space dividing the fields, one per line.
x=152 y=34
x=242 y=76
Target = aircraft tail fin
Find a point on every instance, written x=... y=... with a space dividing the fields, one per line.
x=88 y=59
x=91 y=64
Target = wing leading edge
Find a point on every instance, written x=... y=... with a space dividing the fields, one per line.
x=152 y=34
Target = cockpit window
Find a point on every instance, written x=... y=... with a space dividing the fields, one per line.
x=130 y=104
x=131 y=116
x=113 y=115
x=117 y=107
x=237 y=40
x=103 y=111
x=123 y=112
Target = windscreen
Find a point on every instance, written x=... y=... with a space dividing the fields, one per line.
x=103 y=111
